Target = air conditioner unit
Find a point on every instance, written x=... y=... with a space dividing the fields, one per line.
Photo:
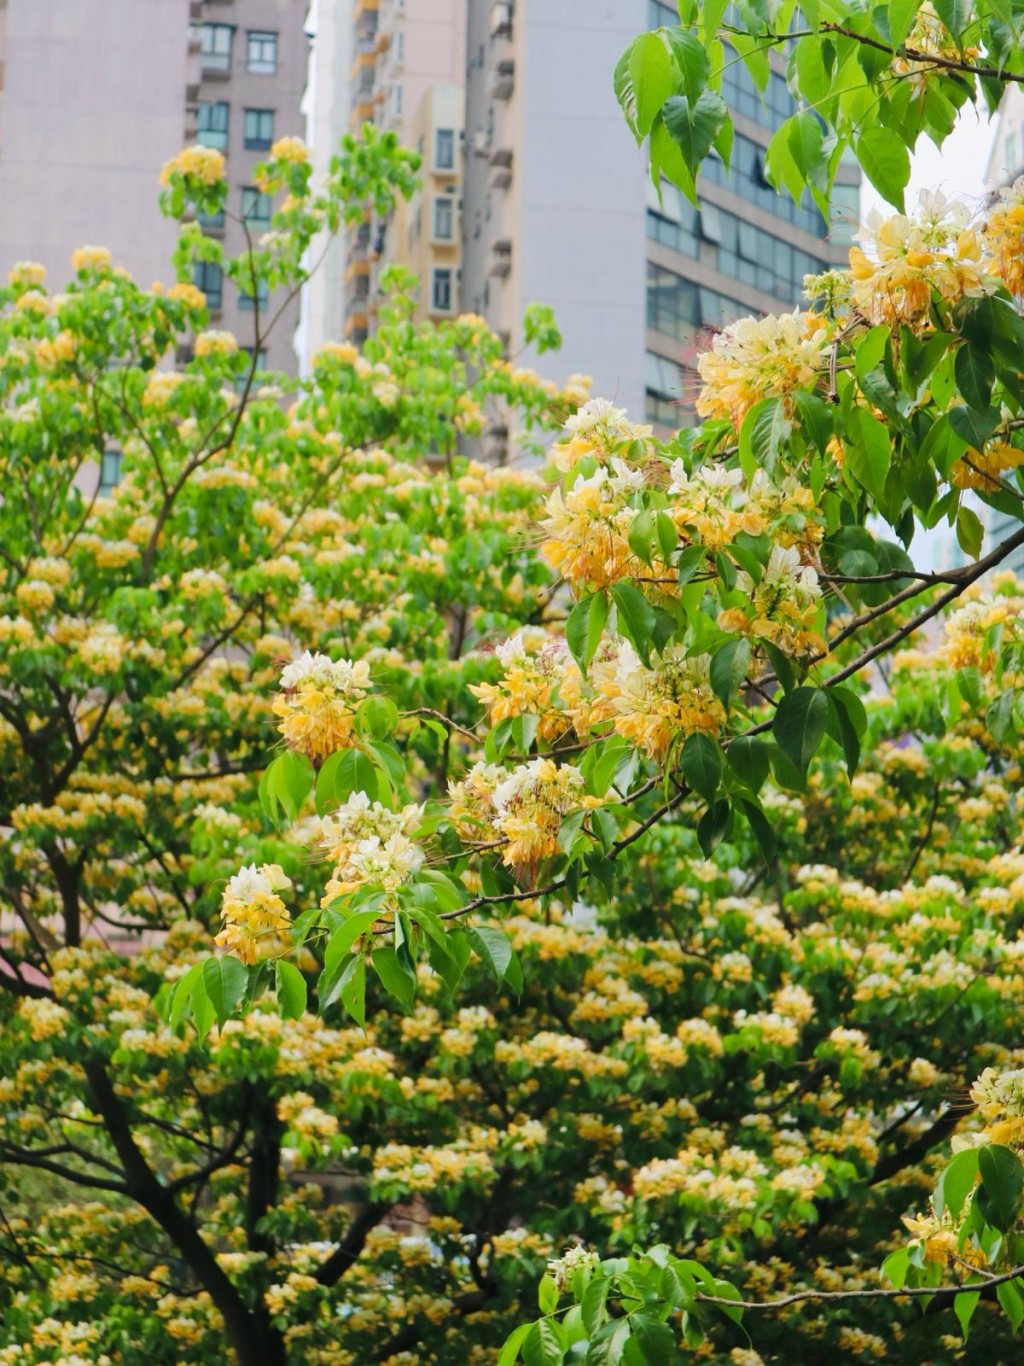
x=481 y=142
x=501 y=80
x=501 y=19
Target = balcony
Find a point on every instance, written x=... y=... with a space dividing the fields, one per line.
x=501 y=19
x=481 y=142
x=501 y=168
x=500 y=264
x=501 y=80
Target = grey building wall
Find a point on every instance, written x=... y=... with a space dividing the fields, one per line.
x=571 y=210
x=92 y=102
x=280 y=93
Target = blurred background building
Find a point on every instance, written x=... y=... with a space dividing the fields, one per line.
x=96 y=95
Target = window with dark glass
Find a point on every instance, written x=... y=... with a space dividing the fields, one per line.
x=444 y=149
x=212 y=124
x=110 y=471
x=261 y=52
x=247 y=302
x=215 y=44
x=441 y=291
x=209 y=277
x=258 y=130
x=255 y=207
x=444 y=218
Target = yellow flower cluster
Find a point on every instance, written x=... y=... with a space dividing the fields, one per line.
x=783 y=605
x=89 y=258
x=598 y=431
x=930 y=37
x=911 y=257
x=758 y=358
x=586 y=530
x=1004 y=238
x=653 y=706
x=290 y=149
x=256 y=920
x=317 y=703
x=370 y=846
x=216 y=344
x=983 y=469
x=27 y=274
x=712 y=505
x=529 y=684
x=204 y=164
x=529 y=807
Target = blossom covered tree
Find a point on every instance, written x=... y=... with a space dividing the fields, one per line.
x=625 y=917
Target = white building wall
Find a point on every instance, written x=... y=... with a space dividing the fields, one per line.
x=580 y=242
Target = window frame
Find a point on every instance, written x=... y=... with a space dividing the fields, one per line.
x=436 y=233
x=224 y=58
x=435 y=277
x=218 y=133
x=261 y=65
x=214 y=295
x=258 y=144
x=252 y=194
x=449 y=135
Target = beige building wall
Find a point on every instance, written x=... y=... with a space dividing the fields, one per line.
x=401 y=49
x=92 y=102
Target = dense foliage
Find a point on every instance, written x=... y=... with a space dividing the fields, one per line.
x=633 y=908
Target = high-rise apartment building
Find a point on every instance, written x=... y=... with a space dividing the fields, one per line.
x=557 y=206
x=407 y=61
x=96 y=95
x=253 y=57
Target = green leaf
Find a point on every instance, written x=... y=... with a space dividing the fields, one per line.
x=964 y=1306
x=584 y=628
x=972 y=426
x=748 y=759
x=1002 y=1186
x=547 y=1295
x=868 y=450
x=291 y=989
x=655 y=1339
x=902 y=14
x=636 y=618
x=729 y=669
x=956 y=15
x=285 y=785
x=377 y=717
x=842 y=729
x=956 y=1183
x=693 y=558
x=712 y=826
x=885 y=161
x=345 y=772
x=608 y=1344
x=799 y=724
x=625 y=91
x=1012 y=1301
x=594 y=1302
x=180 y=999
x=694 y=126
x=396 y=976
x=542 y=1345
x=762 y=830
x=509 y=1353
x=975 y=374
x=692 y=60
x=650 y=70
x=701 y=762
x=970 y=533
x=493 y=948
x=225 y=980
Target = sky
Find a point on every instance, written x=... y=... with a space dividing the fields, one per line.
x=959 y=169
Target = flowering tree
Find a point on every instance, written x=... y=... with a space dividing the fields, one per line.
x=626 y=919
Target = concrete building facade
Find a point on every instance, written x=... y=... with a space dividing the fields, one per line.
x=253 y=58
x=93 y=100
x=558 y=207
x=97 y=94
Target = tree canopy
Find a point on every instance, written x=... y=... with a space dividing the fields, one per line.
x=434 y=890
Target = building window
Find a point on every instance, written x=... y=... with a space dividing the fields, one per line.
x=845 y=206
x=261 y=364
x=1010 y=152
x=247 y=303
x=209 y=277
x=396 y=101
x=213 y=125
x=444 y=218
x=398 y=46
x=444 y=149
x=211 y=222
x=441 y=291
x=110 y=471
x=255 y=207
x=261 y=52
x=258 y=133
x=215 y=43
